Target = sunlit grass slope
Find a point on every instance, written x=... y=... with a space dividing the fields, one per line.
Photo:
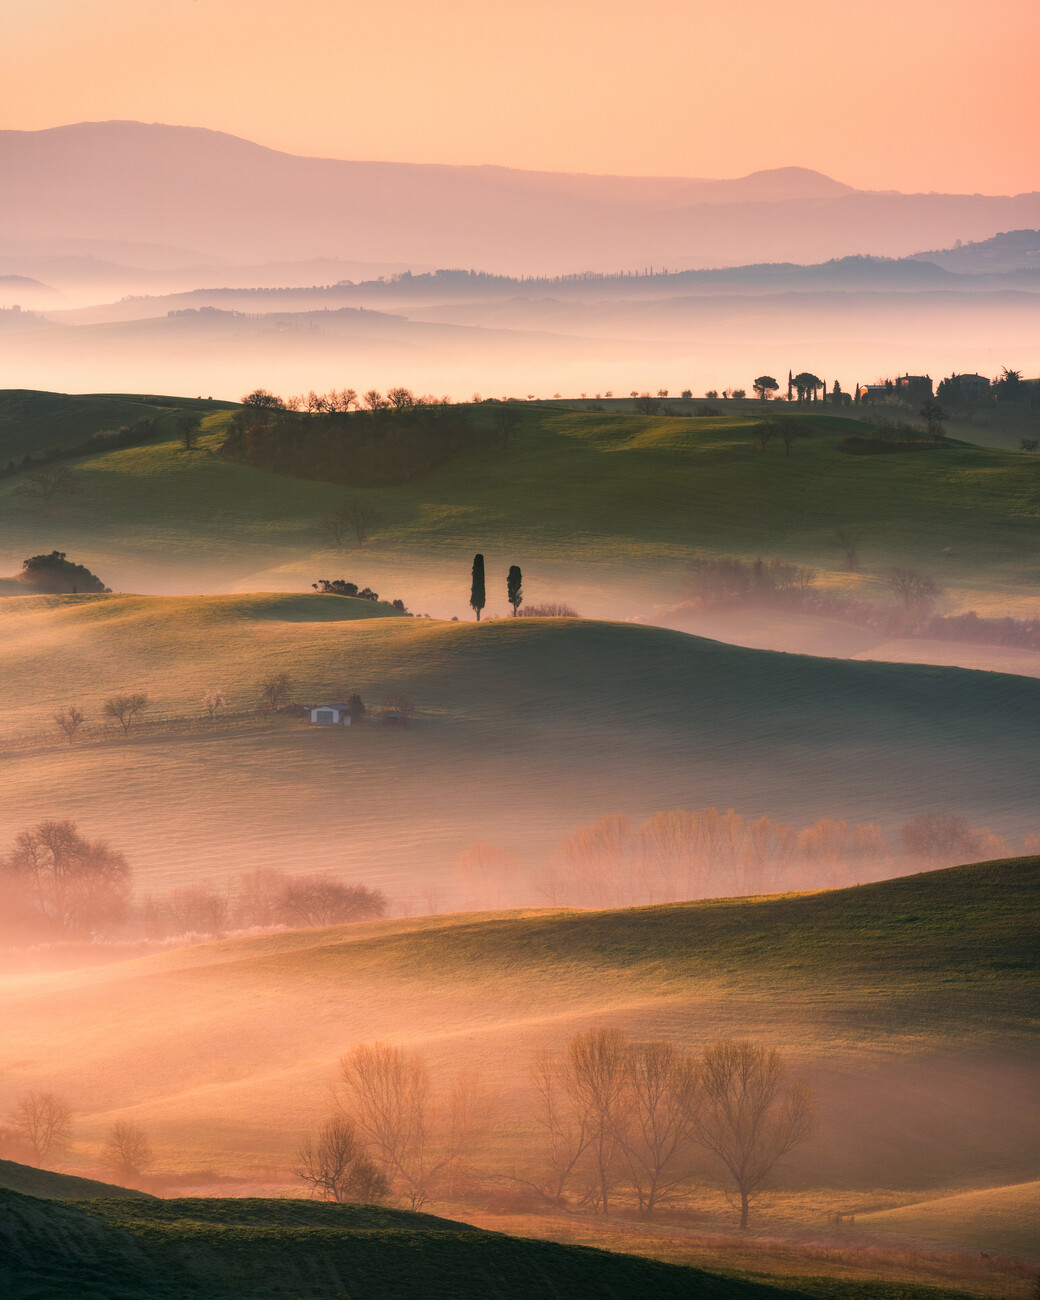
x=601 y=507
x=217 y=1249
x=909 y=1004
x=525 y=728
x=1005 y=1219
x=32 y=422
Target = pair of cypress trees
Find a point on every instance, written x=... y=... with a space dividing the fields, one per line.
x=478 y=593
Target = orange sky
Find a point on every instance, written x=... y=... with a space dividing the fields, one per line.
x=891 y=94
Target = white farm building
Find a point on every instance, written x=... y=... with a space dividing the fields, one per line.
x=330 y=715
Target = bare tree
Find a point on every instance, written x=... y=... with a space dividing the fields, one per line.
x=765 y=432
x=355 y=516
x=127 y=1148
x=125 y=709
x=188 y=424
x=658 y=1137
x=748 y=1114
x=847 y=541
x=76 y=885
x=789 y=430
x=595 y=1076
x=337 y=1166
x=565 y=1126
x=400 y=398
x=212 y=702
x=320 y=900
x=43 y=485
x=275 y=691
x=916 y=590
x=199 y=909
x=258 y=895
x=414 y=1139
x=1029 y=444
x=68 y=721
x=397 y=704
x=940 y=838
x=44 y=1121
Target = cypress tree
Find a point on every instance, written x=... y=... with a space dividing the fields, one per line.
x=477 y=598
x=514 y=587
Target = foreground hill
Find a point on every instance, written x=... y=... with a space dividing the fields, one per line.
x=30 y=1181
x=214 y=1250
x=909 y=1005
x=524 y=728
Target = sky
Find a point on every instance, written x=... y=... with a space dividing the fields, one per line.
x=915 y=95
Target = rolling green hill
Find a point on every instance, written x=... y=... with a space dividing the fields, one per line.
x=908 y=1004
x=601 y=509
x=33 y=422
x=525 y=728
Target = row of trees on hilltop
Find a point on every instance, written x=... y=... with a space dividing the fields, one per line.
x=618 y=1121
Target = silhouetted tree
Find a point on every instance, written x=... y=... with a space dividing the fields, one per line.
x=337 y=1167
x=477 y=594
x=127 y=1148
x=44 y=1122
x=748 y=1114
x=1029 y=444
x=764 y=385
x=913 y=588
x=125 y=709
x=188 y=425
x=275 y=691
x=76 y=885
x=43 y=485
x=847 y=542
x=514 y=587
x=68 y=721
x=788 y=430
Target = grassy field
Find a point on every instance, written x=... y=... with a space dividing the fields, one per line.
x=601 y=509
x=525 y=728
x=30 y=1181
x=32 y=422
x=999 y=1218
x=218 y=1249
x=908 y=1004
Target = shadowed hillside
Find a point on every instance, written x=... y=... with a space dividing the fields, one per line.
x=214 y=1250
x=30 y=1181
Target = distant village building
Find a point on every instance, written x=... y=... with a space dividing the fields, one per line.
x=914 y=388
x=330 y=715
x=973 y=386
x=870 y=393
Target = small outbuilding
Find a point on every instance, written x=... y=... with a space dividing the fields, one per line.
x=330 y=715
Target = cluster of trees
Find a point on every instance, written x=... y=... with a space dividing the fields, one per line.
x=618 y=1121
x=341 y=587
x=53 y=574
x=682 y=854
x=259 y=899
x=727 y=579
x=368 y=441
x=55 y=883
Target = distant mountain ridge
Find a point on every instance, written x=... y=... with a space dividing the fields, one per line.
x=222 y=197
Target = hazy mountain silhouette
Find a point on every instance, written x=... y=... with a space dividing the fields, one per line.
x=216 y=196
